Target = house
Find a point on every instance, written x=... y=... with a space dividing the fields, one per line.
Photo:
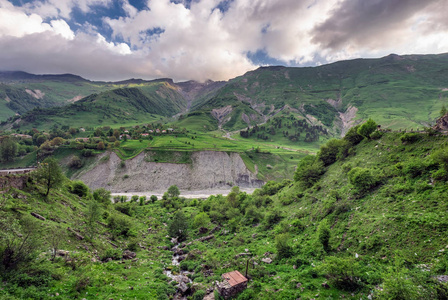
x=233 y=283
x=145 y=134
x=82 y=129
x=85 y=140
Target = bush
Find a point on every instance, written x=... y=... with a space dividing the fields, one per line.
x=79 y=188
x=111 y=253
x=119 y=225
x=252 y=215
x=410 y=137
x=376 y=135
x=367 y=128
x=87 y=152
x=323 y=234
x=352 y=136
x=334 y=149
x=362 y=179
x=343 y=273
x=178 y=227
x=134 y=198
x=309 y=170
x=284 y=249
x=142 y=200
x=102 y=196
x=199 y=295
x=201 y=220
x=75 y=162
x=126 y=208
x=271 y=218
x=153 y=198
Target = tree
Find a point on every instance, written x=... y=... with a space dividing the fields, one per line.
x=50 y=174
x=8 y=149
x=18 y=241
x=102 y=196
x=93 y=214
x=178 y=227
x=333 y=150
x=201 y=220
x=367 y=128
x=442 y=111
x=55 y=237
x=101 y=146
x=173 y=191
x=352 y=136
x=309 y=170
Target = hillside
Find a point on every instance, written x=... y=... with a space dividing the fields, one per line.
x=397 y=91
x=365 y=218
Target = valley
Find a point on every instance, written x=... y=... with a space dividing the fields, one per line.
x=321 y=183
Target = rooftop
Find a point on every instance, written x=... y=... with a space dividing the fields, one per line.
x=234 y=278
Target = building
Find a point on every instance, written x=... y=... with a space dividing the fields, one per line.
x=233 y=283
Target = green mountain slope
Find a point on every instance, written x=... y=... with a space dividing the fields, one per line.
x=397 y=91
x=116 y=107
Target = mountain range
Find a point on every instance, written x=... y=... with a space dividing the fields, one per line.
x=397 y=91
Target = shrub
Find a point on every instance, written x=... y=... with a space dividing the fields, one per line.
x=252 y=215
x=352 y=136
x=334 y=149
x=323 y=234
x=410 y=137
x=153 y=198
x=102 y=196
x=134 y=198
x=201 y=220
x=199 y=295
x=111 y=253
x=179 y=226
x=142 y=200
x=284 y=249
x=126 y=208
x=367 y=128
x=362 y=179
x=343 y=273
x=271 y=218
x=119 y=225
x=79 y=188
x=75 y=162
x=309 y=170
x=87 y=152
x=376 y=135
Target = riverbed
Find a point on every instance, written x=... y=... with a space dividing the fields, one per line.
x=200 y=194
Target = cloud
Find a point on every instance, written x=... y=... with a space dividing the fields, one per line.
x=372 y=24
x=211 y=39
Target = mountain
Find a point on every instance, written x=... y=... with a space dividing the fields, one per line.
x=397 y=91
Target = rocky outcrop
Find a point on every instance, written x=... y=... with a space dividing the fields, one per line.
x=207 y=170
x=441 y=123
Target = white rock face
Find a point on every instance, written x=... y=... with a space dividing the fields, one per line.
x=209 y=169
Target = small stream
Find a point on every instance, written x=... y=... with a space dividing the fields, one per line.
x=180 y=278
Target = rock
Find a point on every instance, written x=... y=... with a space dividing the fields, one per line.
x=203 y=230
x=183 y=288
x=62 y=253
x=298 y=285
x=182 y=278
x=442 y=278
x=37 y=216
x=266 y=260
x=215 y=229
x=129 y=254
x=294 y=267
x=254 y=235
x=325 y=285
x=266 y=254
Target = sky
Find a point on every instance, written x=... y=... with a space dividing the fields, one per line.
x=209 y=39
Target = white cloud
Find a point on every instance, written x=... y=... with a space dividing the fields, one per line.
x=201 y=42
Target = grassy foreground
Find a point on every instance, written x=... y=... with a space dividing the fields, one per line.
x=371 y=224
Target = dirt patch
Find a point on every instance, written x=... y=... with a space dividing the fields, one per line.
x=348 y=119
x=75 y=99
x=38 y=94
x=220 y=113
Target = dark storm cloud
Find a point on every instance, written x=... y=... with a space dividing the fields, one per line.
x=367 y=23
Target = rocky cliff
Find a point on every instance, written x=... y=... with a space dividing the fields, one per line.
x=207 y=170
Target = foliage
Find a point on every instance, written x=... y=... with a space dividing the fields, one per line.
x=343 y=273
x=79 y=188
x=173 y=191
x=178 y=228
x=362 y=178
x=331 y=151
x=50 y=174
x=323 y=234
x=8 y=149
x=103 y=196
x=309 y=170
x=282 y=244
x=19 y=241
x=367 y=128
x=201 y=220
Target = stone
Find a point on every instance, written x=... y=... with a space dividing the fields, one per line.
x=129 y=254
x=183 y=288
x=266 y=260
x=325 y=285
